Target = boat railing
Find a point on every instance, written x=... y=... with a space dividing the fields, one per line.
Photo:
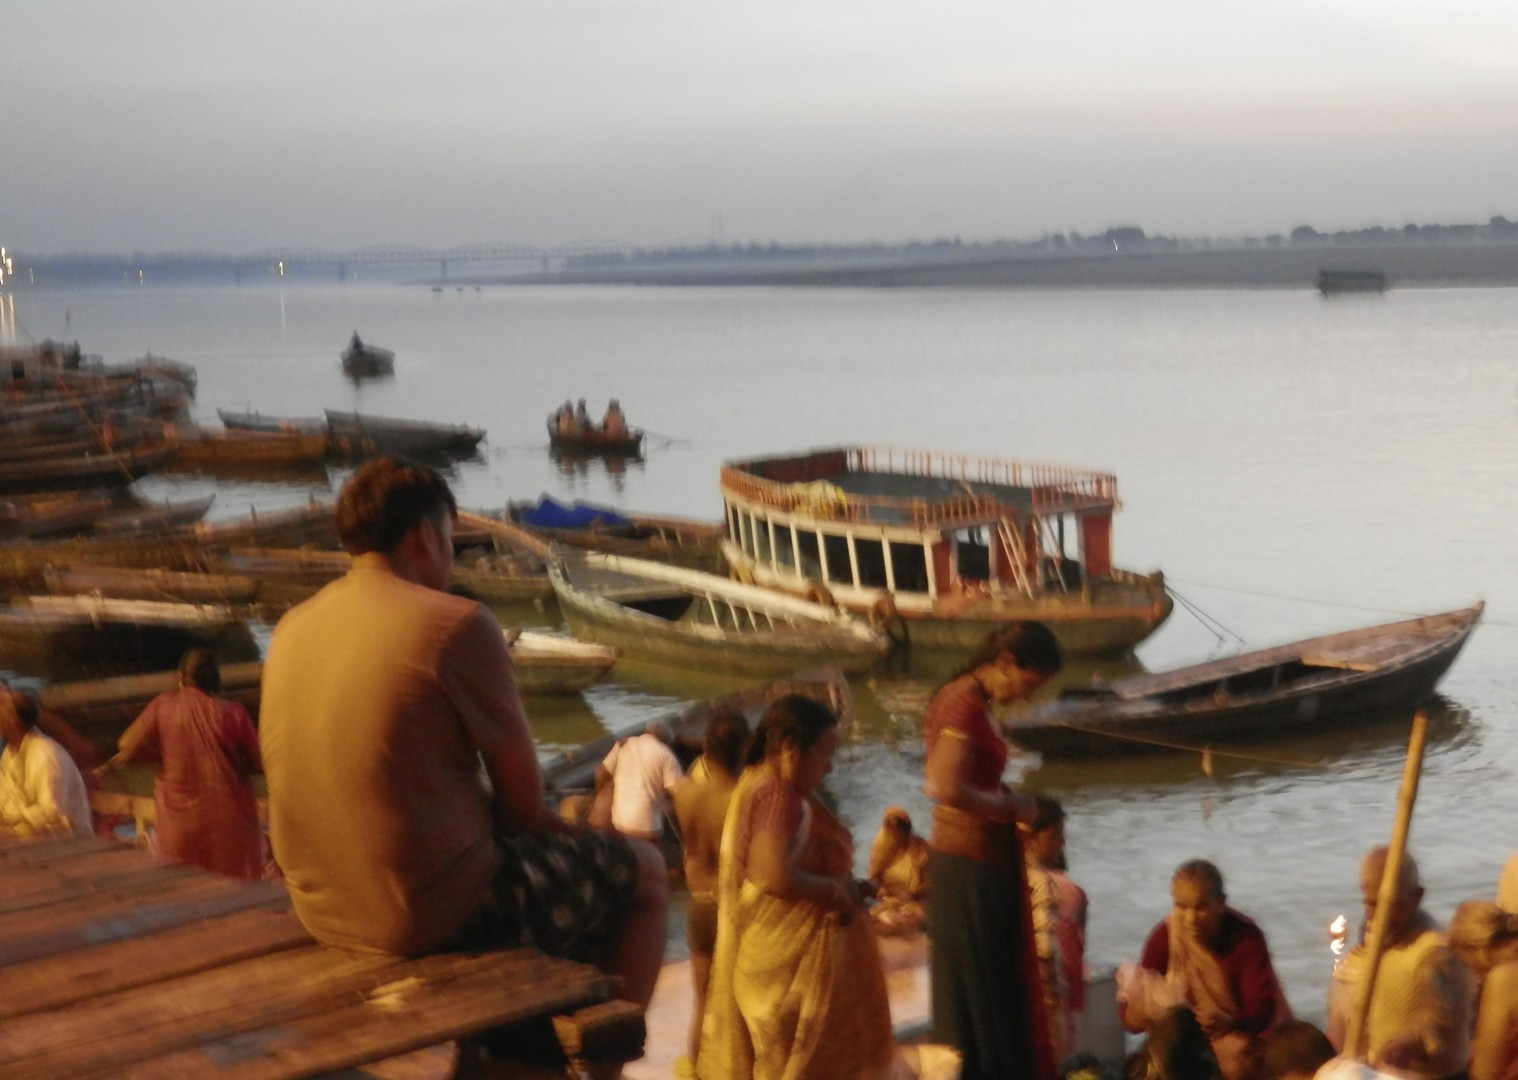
x=1051 y=487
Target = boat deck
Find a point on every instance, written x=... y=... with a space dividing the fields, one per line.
x=116 y=964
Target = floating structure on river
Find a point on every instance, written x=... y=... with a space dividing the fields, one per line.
x=940 y=549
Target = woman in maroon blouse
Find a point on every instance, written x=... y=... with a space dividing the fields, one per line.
x=987 y=998
x=205 y=812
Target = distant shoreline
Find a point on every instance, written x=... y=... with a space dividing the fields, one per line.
x=1289 y=267
x=1146 y=264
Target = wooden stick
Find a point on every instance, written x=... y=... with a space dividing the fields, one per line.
x=1358 y=1036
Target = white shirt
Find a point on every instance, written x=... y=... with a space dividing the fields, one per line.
x=41 y=790
x=642 y=769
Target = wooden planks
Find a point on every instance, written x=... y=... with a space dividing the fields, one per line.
x=116 y=965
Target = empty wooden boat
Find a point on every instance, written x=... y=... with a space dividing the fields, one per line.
x=1375 y=673
x=361 y=434
x=549 y=664
x=150 y=583
x=91 y=635
x=246 y=420
x=686 y=618
x=237 y=449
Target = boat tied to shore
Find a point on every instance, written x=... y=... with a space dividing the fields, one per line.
x=1323 y=682
x=940 y=549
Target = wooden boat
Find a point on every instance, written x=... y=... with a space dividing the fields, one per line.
x=150 y=583
x=361 y=360
x=501 y=579
x=687 y=618
x=680 y=541
x=312 y=523
x=549 y=664
x=573 y=771
x=256 y=421
x=476 y=529
x=48 y=635
x=115 y=469
x=940 y=549
x=359 y=434
x=1335 y=282
x=592 y=440
x=152 y=517
x=284 y=575
x=54 y=513
x=1374 y=673
x=101 y=709
x=240 y=449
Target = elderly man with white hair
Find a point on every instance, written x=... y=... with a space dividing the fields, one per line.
x=1419 y=1022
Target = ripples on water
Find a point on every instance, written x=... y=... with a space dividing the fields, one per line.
x=1296 y=467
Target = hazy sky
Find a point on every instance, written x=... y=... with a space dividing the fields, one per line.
x=157 y=125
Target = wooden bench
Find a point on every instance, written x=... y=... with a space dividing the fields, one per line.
x=114 y=964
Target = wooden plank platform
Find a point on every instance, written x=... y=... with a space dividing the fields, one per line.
x=116 y=965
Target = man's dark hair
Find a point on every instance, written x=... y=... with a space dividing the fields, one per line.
x=727 y=737
x=1047 y=813
x=200 y=670
x=1031 y=644
x=384 y=499
x=27 y=708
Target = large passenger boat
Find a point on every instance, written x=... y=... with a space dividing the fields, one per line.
x=939 y=549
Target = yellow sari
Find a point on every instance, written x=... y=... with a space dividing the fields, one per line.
x=795 y=993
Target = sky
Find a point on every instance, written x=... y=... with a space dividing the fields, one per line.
x=164 y=125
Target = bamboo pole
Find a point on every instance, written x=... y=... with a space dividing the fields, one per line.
x=1358 y=1036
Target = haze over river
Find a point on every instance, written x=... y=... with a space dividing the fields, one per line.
x=1295 y=466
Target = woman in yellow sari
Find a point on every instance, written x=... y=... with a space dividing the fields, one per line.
x=797 y=990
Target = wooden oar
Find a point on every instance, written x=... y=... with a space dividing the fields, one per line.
x=1358 y=1035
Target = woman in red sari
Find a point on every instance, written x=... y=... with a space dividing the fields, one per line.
x=987 y=995
x=205 y=813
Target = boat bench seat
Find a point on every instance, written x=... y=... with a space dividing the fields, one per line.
x=117 y=964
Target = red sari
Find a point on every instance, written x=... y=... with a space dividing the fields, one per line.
x=987 y=996
x=204 y=805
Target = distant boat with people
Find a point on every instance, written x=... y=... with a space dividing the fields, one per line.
x=940 y=549
x=1334 y=282
x=571 y=431
x=361 y=360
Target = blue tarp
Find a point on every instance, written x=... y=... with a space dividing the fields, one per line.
x=549 y=514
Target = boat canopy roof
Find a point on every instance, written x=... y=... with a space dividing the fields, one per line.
x=916 y=487
x=550 y=514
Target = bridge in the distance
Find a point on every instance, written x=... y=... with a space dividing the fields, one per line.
x=392 y=260
x=519 y=258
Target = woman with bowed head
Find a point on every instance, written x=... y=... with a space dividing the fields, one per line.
x=987 y=994
x=204 y=810
x=797 y=989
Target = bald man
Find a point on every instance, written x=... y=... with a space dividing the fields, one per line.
x=1420 y=1014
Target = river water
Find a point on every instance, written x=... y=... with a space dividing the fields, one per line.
x=1296 y=466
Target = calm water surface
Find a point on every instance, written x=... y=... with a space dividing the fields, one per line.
x=1295 y=467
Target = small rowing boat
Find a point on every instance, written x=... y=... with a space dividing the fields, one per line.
x=1374 y=673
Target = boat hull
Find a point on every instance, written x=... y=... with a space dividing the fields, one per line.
x=681 y=642
x=1175 y=715
x=546 y=664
